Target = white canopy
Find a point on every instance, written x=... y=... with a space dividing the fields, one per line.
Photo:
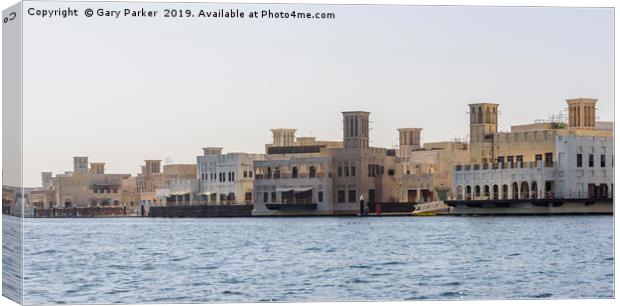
x=285 y=189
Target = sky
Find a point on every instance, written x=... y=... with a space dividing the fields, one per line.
x=124 y=90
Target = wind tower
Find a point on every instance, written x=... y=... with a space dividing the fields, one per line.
x=482 y=127
x=408 y=140
x=355 y=129
x=581 y=113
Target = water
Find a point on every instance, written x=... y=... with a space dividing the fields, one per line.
x=12 y=258
x=133 y=260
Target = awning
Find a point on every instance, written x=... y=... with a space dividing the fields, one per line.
x=180 y=193
x=299 y=189
x=284 y=189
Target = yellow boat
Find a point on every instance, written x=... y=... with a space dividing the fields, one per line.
x=424 y=214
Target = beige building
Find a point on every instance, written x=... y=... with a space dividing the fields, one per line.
x=350 y=170
x=425 y=174
x=180 y=185
x=148 y=181
x=285 y=142
x=87 y=186
x=528 y=142
x=42 y=198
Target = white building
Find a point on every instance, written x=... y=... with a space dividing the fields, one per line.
x=226 y=178
x=583 y=169
x=585 y=166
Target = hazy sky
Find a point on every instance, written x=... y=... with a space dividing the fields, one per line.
x=124 y=90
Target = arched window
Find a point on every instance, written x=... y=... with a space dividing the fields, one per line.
x=525 y=190
x=504 y=192
x=515 y=191
x=534 y=190
x=295 y=172
x=312 y=172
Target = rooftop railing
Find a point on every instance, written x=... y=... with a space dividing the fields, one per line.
x=507 y=165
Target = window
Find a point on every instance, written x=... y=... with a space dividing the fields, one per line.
x=341 y=195
x=353 y=171
x=276 y=173
x=250 y=174
x=549 y=159
x=520 y=159
x=266 y=197
x=273 y=197
x=352 y=196
x=320 y=195
x=245 y=174
x=339 y=171
x=295 y=172
x=591 y=160
x=312 y=171
x=346 y=170
x=390 y=172
x=500 y=159
x=602 y=161
x=579 y=160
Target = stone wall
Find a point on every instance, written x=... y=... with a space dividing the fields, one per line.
x=201 y=211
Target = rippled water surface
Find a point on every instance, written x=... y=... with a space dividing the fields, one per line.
x=133 y=260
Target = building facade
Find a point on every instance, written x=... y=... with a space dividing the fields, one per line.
x=543 y=160
x=294 y=185
x=87 y=186
x=226 y=178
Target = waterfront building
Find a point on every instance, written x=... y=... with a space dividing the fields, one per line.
x=226 y=178
x=130 y=197
x=350 y=170
x=425 y=172
x=9 y=195
x=148 y=181
x=180 y=185
x=540 y=160
x=87 y=186
x=289 y=186
x=42 y=198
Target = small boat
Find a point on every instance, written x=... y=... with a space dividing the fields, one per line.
x=424 y=214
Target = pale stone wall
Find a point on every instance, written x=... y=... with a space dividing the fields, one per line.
x=562 y=178
x=428 y=171
x=572 y=180
x=223 y=175
x=296 y=173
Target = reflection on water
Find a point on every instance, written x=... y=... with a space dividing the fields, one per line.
x=133 y=260
x=12 y=257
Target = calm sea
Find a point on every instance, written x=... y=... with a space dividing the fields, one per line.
x=133 y=260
